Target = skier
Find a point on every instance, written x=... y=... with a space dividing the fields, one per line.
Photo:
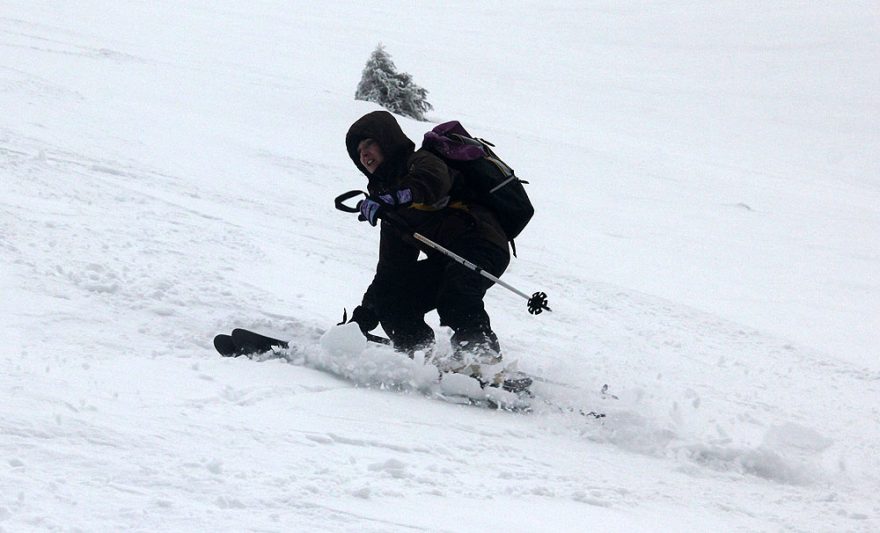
x=414 y=186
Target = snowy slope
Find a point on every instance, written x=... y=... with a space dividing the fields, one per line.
x=708 y=230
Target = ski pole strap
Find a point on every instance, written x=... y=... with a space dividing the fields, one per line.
x=385 y=215
x=342 y=198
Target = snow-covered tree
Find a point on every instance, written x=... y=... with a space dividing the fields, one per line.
x=395 y=91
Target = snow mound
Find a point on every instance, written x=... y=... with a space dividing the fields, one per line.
x=342 y=340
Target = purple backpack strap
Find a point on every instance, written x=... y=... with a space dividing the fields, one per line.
x=442 y=140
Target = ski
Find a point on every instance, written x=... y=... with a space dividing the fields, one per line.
x=516 y=382
x=256 y=343
x=248 y=343
x=244 y=342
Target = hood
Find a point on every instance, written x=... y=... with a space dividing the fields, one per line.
x=383 y=127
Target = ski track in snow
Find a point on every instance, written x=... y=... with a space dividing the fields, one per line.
x=118 y=415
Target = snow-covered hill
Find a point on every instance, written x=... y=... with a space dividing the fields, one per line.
x=708 y=230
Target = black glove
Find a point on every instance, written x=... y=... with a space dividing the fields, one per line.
x=364 y=318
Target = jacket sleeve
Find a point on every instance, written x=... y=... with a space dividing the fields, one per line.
x=428 y=177
x=396 y=259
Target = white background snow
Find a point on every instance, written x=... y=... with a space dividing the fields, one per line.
x=707 y=184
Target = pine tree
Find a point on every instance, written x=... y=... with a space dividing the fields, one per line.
x=395 y=91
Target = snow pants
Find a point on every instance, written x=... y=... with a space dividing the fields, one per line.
x=456 y=292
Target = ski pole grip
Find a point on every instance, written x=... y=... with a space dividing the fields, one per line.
x=395 y=221
x=341 y=199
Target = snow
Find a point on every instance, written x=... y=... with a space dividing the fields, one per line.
x=707 y=187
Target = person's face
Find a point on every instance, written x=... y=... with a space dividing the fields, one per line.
x=370 y=154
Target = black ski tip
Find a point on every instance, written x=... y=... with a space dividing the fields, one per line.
x=225 y=346
x=255 y=342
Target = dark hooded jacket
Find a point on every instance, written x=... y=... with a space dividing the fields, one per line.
x=433 y=213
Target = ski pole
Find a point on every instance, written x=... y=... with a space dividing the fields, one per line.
x=537 y=302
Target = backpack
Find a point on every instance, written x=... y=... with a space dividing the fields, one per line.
x=485 y=178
